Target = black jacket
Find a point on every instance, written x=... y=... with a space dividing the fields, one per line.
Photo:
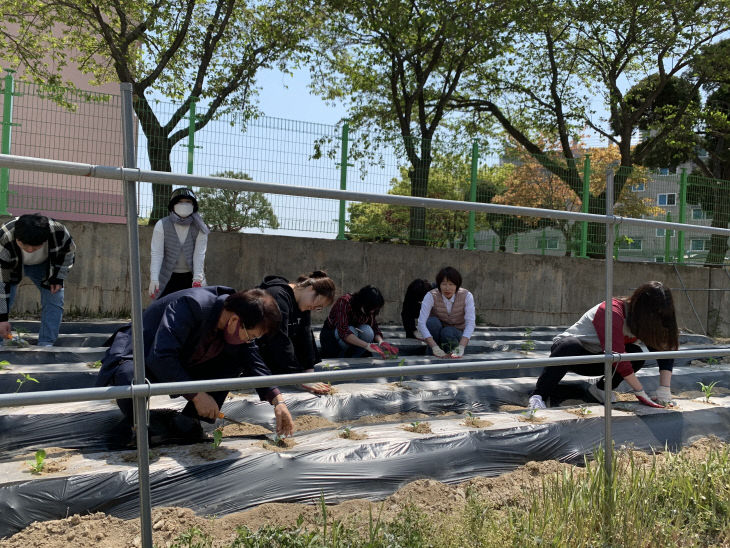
x=291 y=349
x=411 y=309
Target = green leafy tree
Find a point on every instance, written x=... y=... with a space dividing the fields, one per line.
x=233 y=210
x=204 y=50
x=397 y=64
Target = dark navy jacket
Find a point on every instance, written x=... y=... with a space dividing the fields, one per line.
x=173 y=327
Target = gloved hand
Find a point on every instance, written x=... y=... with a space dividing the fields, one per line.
x=646 y=400
x=458 y=352
x=417 y=334
x=375 y=349
x=663 y=396
x=154 y=289
x=388 y=347
x=197 y=283
x=438 y=352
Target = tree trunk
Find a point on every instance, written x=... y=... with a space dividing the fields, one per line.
x=597 y=231
x=418 y=175
x=158 y=150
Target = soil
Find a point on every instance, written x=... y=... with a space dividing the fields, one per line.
x=284 y=445
x=533 y=419
x=304 y=423
x=243 y=430
x=476 y=422
x=206 y=451
x=56 y=457
x=438 y=500
x=578 y=413
x=419 y=428
x=506 y=408
x=352 y=435
x=394 y=417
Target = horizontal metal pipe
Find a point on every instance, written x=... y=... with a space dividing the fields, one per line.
x=123 y=174
x=159 y=389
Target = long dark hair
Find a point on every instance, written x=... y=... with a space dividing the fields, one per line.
x=651 y=317
x=367 y=300
x=254 y=307
x=320 y=282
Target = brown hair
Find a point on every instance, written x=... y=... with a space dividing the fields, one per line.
x=254 y=307
x=320 y=282
x=651 y=317
x=448 y=273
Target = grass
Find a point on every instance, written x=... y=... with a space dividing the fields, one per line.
x=675 y=501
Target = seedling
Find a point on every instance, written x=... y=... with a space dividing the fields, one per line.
x=5 y=364
x=415 y=424
x=40 y=457
x=528 y=345
x=277 y=440
x=217 y=437
x=707 y=389
x=470 y=415
x=346 y=432
x=94 y=365
x=25 y=378
x=584 y=411
x=531 y=413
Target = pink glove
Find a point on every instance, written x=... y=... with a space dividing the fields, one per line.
x=196 y=283
x=389 y=348
x=375 y=349
x=646 y=400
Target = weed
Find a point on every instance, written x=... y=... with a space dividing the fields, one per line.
x=25 y=378
x=193 y=538
x=707 y=389
x=217 y=437
x=712 y=361
x=40 y=458
x=94 y=365
x=5 y=364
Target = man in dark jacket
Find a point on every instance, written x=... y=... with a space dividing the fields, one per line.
x=196 y=334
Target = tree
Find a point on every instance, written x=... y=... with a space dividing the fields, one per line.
x=398 y=64
x=192 y=50
x=233 y=210
x=568 y=53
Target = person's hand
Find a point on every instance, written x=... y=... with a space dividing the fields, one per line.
x=55 y=288
x=438 y=352
x=154 y=289
x=197 y=283
x=388 y=347
x=418 y=335
x=284 y=422
x=317 y=388
x=5 y=330
x=205 y=405
x=646 y=400
x=458 y=352
x=375 y=349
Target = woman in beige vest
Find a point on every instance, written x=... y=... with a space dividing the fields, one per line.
x=447 y=316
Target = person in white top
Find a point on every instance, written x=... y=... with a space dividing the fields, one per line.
x=179 y=243
x=447 y=317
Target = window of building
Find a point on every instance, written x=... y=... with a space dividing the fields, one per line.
x=698 y=214
x=638 y=187
x=551 y=243
x=699 y=245
x=658 y=259
x=630 y=243
x=661 y=232
x=669 y=199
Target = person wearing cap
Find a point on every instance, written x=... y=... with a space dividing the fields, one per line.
x=179 y=242
x=42 y=249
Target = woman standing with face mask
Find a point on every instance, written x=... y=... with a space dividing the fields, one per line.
x=178 y=247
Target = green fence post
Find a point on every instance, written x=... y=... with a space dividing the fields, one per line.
x=584 y=206
x=191 y=135
x=473 y=194
x=682 y=207
x=7 y=124
x=668 y=241
x=517 y=239
x=494 y=244
x=343 y=179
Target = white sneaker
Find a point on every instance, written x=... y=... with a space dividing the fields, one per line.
x=536 y=402
x=597 y=393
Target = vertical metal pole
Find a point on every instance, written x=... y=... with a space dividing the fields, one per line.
x=608 y=364
x=8 y=89
x=140 y=402
x=584 y=205
x=682 y=208
x=473 y=193
x=191 y=135
x=668 y=241
x=543 y=242
x=343 y=178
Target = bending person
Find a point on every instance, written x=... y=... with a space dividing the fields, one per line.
x=411 y=309
x=197 y=334
x=351 y=329
x=648 y=315
x=291 y=348
x=447 y=317
x=179 y=243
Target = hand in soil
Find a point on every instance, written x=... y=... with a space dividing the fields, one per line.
x=284 y=422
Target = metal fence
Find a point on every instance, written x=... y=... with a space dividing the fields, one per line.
x=84 y=126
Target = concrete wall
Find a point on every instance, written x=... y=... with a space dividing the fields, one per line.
x=509 y=289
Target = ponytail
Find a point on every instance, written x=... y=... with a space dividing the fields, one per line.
x=320 y=282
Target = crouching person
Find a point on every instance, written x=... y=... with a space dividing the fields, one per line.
x=197 y=334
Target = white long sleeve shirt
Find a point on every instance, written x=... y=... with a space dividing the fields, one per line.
x=469 y=313
x=157 y=252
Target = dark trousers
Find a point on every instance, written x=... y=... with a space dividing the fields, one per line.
x=569 y=346
x=177 y=281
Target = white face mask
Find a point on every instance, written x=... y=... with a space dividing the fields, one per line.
x=184 y=210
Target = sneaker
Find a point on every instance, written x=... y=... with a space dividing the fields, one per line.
x=536 y=402
x=597 y=393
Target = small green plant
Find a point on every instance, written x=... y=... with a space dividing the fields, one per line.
x=217 y=437
x=470 y=415
x=346 y=432
x=707 y=389
x=531 y=413
x=94 y=365
x=584 y=411
x=25 y=378
x=528 y=344
x=415 y=424
x=40 y=458
x=5 y=364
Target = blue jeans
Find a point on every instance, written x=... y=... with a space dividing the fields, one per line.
x=443 y=335
x=51 y=304
x=363 y=332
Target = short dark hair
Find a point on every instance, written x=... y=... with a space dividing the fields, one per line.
x=368 y=299
x=32 y=229
x=651 y=316
x=320 y=282
x=254 y=307
x=448 y=273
